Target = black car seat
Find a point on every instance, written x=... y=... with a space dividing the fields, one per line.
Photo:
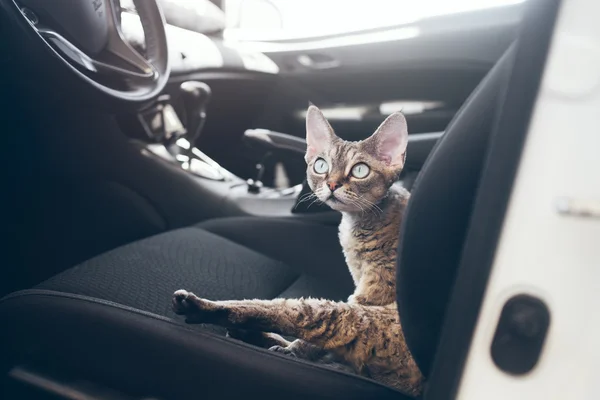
x=108 y=320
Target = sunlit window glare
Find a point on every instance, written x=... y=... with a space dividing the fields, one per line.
x=294 y=19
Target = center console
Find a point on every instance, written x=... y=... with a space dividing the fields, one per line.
x=172 y=137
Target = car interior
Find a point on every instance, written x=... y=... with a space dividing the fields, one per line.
x=143 y=156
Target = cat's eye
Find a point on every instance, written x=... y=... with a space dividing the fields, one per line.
x=321 y=166
x=360 y=170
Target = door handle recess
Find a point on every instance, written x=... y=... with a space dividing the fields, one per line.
x=317 y=61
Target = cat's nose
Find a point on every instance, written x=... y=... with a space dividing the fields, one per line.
x=333 y=186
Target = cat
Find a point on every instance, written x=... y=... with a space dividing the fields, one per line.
x=364 y=333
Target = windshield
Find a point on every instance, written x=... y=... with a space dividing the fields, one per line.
x=298 y=19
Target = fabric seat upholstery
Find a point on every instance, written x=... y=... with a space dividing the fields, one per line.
x=145 y=274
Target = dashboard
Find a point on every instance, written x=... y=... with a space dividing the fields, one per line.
x=191 y=52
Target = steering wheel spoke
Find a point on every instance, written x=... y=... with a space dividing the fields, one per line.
x=118 y=47
x=137 y=69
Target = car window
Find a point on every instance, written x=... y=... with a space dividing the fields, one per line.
x=298 y=19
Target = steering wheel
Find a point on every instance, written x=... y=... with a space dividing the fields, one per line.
x=83 y=39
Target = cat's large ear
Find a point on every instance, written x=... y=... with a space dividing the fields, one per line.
x=390 y=140
x=319 y=134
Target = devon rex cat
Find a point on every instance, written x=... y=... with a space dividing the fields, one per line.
x=364 y=333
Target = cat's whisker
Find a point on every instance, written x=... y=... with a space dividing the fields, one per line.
x=376 y=210
x=373 y=210
x=304 y=197
x=369 y=208
x=313 y=202
x=353 y=200
x=315 y=196
x=371 y=205
x=356 y=203
x=308 y=195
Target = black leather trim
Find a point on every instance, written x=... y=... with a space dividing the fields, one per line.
x=142 y=353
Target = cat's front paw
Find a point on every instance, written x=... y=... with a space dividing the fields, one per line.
x=196 y=309
x=283 y=350
x=180 y=303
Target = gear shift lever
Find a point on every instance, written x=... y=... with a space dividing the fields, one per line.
x=196 y=96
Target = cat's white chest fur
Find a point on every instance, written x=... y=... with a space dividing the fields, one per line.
x=345 y=229
x=349 y=244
